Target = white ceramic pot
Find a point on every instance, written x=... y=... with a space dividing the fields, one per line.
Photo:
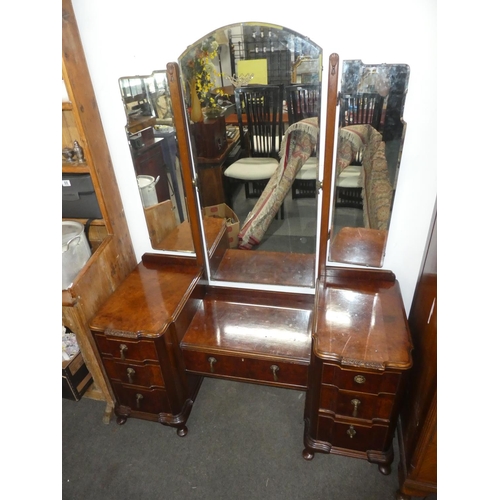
x=147 y=188
x=75 y=251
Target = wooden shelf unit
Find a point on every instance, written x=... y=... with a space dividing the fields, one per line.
x=112 y=257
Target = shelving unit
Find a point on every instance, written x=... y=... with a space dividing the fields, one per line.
x=112 y=257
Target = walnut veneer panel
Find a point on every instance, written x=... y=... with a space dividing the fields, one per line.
x=250 y=329
x=363 y=325
x=269 y=268
x=148 y=300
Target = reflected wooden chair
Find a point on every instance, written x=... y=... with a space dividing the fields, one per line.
x=304 y=101
x=356 y=109
x=260 y=119
x=361 y=109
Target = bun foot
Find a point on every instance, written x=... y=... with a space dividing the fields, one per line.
x=182 y=431
x=385 y=469
x=120 y=420
x=307 y=455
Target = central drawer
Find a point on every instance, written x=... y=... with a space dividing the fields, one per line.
x=265 y=371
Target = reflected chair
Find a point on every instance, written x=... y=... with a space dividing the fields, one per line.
x=260 y=119
x=304 y=101
x=361 y=109
x=356 y=109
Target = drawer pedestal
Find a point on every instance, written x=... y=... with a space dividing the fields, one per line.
x=361 y=351
x=137 y=333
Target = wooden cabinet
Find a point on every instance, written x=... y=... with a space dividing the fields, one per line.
x=417 y=428
x=149 y=160
x=361 y=351
x=112 y=256
x=138 y=332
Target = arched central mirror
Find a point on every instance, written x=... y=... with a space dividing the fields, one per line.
x=253 y=98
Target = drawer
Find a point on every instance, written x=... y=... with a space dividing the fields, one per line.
x=356 y=404
x=126 y=349
x=353 y=436
x=360 y=380
x=142 y=399
x=132 y=373
x=258 y=370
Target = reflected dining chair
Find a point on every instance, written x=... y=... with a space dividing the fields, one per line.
x=304 y=101
x=356 y=109
x=260 y=119
x=360 y=109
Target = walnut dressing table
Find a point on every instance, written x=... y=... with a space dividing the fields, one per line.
x=348 y=347
x=345 y=343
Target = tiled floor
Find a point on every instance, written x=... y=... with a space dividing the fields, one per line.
x=296 y=233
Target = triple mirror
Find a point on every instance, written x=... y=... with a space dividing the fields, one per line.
x=216 y=71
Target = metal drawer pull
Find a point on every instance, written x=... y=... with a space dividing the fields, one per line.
x=138 y=398
x=275 y=369
x=123 y=350
x=356 y=403
x=359 y=379
x=351 y=432
x=130 y=375
x=212 y=360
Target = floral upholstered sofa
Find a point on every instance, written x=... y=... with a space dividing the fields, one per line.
x=363 y=142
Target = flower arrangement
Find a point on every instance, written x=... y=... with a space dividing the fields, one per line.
x=200 y=71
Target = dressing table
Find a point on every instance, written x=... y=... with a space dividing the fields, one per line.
x=287 y=320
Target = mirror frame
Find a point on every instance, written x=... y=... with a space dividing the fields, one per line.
x=365 y=247
x=265 y=281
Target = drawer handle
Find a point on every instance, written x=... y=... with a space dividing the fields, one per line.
x=123 y=350
x=355 y=403
x=275 y=369
x=212 y=360
x=359 y=379
x=351 y=432
x=130 y=375
x=138 y=398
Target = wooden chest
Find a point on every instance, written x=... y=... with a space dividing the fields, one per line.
x=360 y=356
x=137 y=333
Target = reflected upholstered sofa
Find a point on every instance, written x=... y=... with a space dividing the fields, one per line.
x=362 y=165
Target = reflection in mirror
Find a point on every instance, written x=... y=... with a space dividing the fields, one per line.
x=238 y=83
x=370 y=143
x=153 y=146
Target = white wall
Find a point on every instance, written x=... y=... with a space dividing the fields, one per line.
x=125 y=38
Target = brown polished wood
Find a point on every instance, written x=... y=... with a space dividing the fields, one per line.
x=249 y=336
x=359 y=246
x=361 y=351
x=185 y=154
x=273 y=268
x=113 y=257
x=417 y=429
x=138 y=332
x=330 y=128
